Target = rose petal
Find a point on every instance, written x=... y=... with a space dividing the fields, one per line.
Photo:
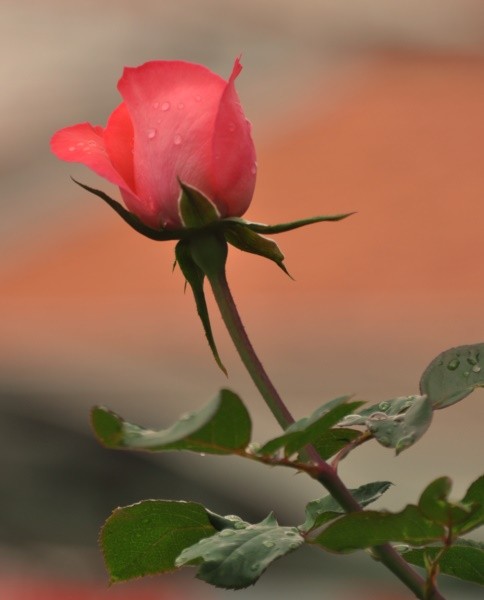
x=84 y=143
x=173 y=106
x=118 y=140
x=234 y=157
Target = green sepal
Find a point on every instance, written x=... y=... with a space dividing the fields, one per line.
x=195 y=277
x=196 y=210
x=146 y=538
x=242 y=237
x=236 y=558
x=453 y=375
x=464 y=559
x=327 y=508
x=283 y=227
x=222 y=426
x=132 y=220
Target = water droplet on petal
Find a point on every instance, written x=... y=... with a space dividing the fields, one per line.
x=177 y=140
x=151 y=133
x=80 y=144
x=476 y=369
x=198 y=98
x=156 y=105
x=253 y=169
x=232 y=127
x=165 y=106
x=181 y=106
x=453 y=364
x=71 y=148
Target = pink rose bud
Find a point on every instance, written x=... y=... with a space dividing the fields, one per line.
x=177 y=121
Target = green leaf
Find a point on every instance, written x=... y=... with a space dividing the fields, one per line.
x=223 y=426
x=332 y=441
x=464 y=559
x=327 y=508
x=236 y=558
x=364 y=529
x=145 y=538
x=132 y=220
x=243 y=238
x=435 y=505
x=473 y=497
x=195 y=277
x=453 y=375
x=196 y=210
x=402 y=431
x=308 y=429
x=282 y=227
x=390 y=408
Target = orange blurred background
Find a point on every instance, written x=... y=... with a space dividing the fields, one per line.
x=356 y=106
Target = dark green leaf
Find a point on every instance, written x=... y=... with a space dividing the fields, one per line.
x=465 y=559
x=145 y=538
x=195 y=277
x=325 y=509
x=474 y=497
x=132 y=220
x=332 y=441
x=195 y=209
x=221 y=427
x=435 y=505
x=282 y=227
x=453 y=375
x=243 y=238
x=308 y=429
x=402 y=431
x=236 y=558
x=360 y=530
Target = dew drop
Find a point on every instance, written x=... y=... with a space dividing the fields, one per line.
x=202 y=453
x=268 y=544
x=80 y=144
x=254 y=567
x=383 y=405
x=232 y=127
x=71 y=148
x=476 y=369
x=151 y=133
x=186 y=416
x=453 y=364
x=226 y=532
x=465 y=373
x=253 y=169
x=198 y=98
x=165 y=106
x=177 y=140
x=181 y=106
x=156 y=105
x=294 y=545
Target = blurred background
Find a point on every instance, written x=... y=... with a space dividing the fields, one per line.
x=365 y=105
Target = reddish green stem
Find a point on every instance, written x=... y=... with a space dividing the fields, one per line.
x=210 y=255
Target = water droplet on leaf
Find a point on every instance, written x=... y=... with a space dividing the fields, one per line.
x=226 y=532
x=476 y=369
x=71 y=148
x=453 y=364
x=268 y=544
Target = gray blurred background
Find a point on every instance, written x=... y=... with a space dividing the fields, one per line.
x=370 y=105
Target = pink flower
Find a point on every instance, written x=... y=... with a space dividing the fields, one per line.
x=178 y=120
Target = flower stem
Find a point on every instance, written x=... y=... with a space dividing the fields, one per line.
x=210 y=254
x=327 y=476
